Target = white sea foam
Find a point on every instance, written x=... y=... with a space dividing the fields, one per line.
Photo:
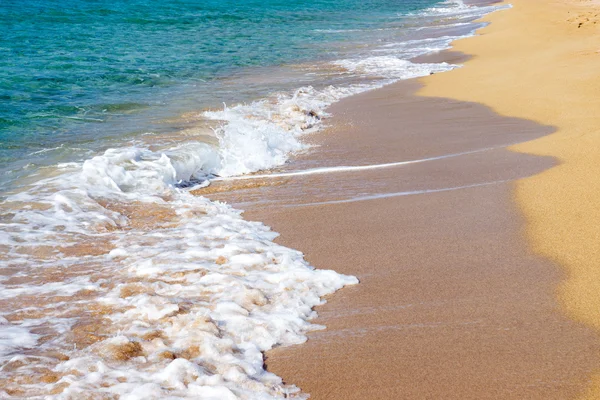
x=391 y=60
x=448 y=8
x=414 y=48
x=14 y=337
x=265 y=133
x=457 y=10
x=391 y=67
x=215 y=287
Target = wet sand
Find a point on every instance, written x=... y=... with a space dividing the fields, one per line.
x=452 y=304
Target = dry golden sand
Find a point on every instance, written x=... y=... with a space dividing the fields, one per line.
x=541 y=61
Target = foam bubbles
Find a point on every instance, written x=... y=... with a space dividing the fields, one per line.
x=392 y=67
x=263 y=134
x=148 y=290
x=458 y=10
x=14 y=337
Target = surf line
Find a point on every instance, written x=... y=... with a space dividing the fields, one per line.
x=328 y=170
x=398 y=194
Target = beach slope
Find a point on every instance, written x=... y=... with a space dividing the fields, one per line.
x=491 y=205
x=540 y=61
x=452 y=304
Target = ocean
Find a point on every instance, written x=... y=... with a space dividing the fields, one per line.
x=116 y=281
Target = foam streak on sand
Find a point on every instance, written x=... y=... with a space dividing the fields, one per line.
x=355 y=168
x=399 y=194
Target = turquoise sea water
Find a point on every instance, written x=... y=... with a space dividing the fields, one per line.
x=71 y=72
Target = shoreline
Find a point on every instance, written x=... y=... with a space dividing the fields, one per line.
x=465 y=202
x=318 y=370
x=451 y=302
x=145 y=299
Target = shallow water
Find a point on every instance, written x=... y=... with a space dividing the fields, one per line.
x=73 y=76
x=114 y=279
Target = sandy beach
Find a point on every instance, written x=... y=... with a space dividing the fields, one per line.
x=476 y=262
x=539 y=61
x=394 y=225
x=452 y=303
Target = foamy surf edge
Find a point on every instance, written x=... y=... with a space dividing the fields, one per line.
x=182 y=301
x=160 y=294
